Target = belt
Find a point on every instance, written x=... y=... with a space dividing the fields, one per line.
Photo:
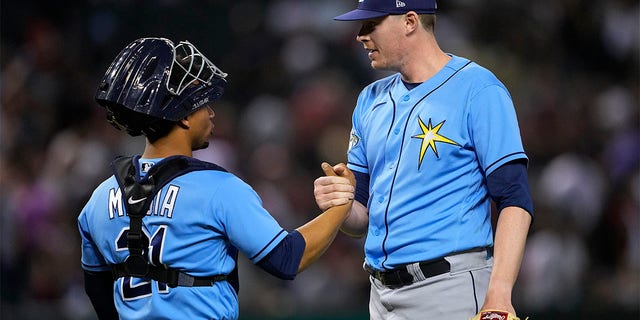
x=171 y=277
x=404 y=275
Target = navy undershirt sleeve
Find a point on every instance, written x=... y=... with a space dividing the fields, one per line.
x=509 y=186
x=362 y=187
x=283 y=261
x=99 y=288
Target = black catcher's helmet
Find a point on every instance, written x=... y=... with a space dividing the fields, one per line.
x=152 y=81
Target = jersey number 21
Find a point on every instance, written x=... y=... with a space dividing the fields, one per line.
x=135 y=288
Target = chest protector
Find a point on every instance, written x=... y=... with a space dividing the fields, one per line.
x=137 y=263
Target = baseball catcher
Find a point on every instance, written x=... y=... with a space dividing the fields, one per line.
x=161 y=236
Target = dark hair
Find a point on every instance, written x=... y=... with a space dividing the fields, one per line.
x=135 y=123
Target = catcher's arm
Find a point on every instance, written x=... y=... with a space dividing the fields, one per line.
x=320 y=232
x=511 y=234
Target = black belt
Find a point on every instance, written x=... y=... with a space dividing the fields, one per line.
x=401 y=276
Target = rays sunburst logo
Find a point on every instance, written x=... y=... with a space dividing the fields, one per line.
x=429 y=136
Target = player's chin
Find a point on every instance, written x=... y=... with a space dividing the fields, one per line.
x=377 y=67
x=201 y=146
x=376 y=64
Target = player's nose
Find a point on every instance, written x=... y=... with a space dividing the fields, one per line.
x=362 y=38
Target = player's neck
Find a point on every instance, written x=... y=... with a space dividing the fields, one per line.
x=164 y=147
x=427 y=60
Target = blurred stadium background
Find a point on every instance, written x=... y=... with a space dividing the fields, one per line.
x=572 y=68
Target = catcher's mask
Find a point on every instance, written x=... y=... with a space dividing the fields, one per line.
x=152 y=81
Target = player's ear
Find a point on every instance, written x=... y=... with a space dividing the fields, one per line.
x=411 y=21
x=184 y=123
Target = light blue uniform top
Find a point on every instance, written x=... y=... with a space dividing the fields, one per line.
x=196 y=224
x=427 y=152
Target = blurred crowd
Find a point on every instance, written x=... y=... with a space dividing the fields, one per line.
x=571 y=66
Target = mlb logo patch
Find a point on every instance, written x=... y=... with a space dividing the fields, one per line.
x=146 y=166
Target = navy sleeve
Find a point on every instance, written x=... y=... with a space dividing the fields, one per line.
x=99 y=288
x=362 y=187
x=509 y=186
x=283 y=261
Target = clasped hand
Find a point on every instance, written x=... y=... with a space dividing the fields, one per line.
x=336 y=188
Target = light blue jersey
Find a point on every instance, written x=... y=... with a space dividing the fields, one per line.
x=196 y=224
x=427 y=152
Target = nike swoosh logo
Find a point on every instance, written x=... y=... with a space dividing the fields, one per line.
x=132 y=201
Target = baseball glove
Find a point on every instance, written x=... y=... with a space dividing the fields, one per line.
x=495 y=315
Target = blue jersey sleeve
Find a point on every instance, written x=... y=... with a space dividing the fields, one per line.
x=494 y=128
x=91 y=259
x=357 y=159
x=245 y=221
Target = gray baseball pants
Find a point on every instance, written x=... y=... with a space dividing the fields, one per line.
x=456 y=295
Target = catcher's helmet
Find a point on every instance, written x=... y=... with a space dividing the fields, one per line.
x=152 y=80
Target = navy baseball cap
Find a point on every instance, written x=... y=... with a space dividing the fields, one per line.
x=371 y=9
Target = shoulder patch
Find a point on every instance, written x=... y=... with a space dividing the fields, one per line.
x=353 y=139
